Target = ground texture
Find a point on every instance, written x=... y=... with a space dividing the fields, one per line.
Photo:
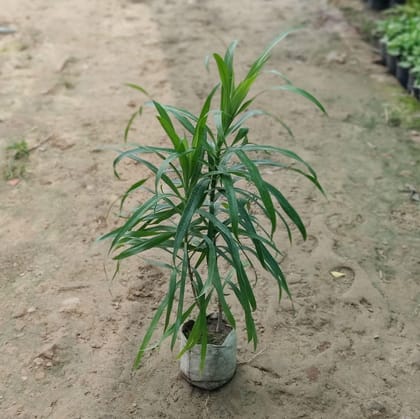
x=69 y=335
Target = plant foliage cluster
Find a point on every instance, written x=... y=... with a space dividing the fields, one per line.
x=17 y=155
x=400 y=30
x=210 y=207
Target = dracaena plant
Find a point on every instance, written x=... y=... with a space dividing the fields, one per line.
x=201 y=211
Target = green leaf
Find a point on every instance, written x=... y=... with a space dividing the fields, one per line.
x=151 y=167
x=226 y=78
x=241 y=135
x=274 y=268
x=223 y=73
x=184 y=117
x=166 y=123
x=229 y=55
x=202 y=120
x=245 y=106
x=132 y=188
x=231 y=198
x=137 y=87
x=241 y=92
x=244 y=86
x=249 y=321
x=263 y=58
x=258 y=112
x=250 y=231
x=301 y=92
x=237 y=264
x=288 y=209
x=221 y=297
x=271 y=149
x=135 y=218
x=280 y=74
x=150 y=330
x=180 y=308
x=207 y=63
x=244 y=117
x=260 y=184
x=163 y=168
x=130 y=122
x=199 y=141
x=143 y=245
x=171 y=296
x=193 y=203
x=199 y=330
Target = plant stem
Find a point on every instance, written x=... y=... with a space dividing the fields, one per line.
x=191 y=276
x=211 y=233
x=219 y=318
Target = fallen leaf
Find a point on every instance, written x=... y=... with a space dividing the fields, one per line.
x=415 y=197
x=13 y=182
x=336 y=274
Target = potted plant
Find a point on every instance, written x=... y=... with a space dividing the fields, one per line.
x=213 y=215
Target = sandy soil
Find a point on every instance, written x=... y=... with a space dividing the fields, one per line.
x=69 y=335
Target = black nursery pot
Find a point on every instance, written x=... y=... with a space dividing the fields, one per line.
x=382 y=51
x=391 y=63
x=416 y=92
x=378 y=4
x=402 y=74
x=411 y=81
x=396 y=2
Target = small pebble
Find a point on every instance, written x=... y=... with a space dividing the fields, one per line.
x=70 y=305
x=38 y=361
x=40 y=374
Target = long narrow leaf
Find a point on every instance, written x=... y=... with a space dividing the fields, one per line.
x=130 y=122
x=167 y=125
x=173 y=285
x=233 y=204
x=150 y=330
x=180 y=308
x=237 y=263
x=196 y=197
x=132 y=188
x=143 y=245
x=301 y=92
x=288 y=209
x=137 y=87
x=260 y=184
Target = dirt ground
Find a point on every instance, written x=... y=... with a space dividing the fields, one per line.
x=69 y=335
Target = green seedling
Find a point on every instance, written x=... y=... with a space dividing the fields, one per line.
x=17 y=155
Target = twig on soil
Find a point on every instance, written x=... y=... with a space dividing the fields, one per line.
x=414 y=194
x=253 y=357
x=73 y=288
x=50 y=137
x=206 y=406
